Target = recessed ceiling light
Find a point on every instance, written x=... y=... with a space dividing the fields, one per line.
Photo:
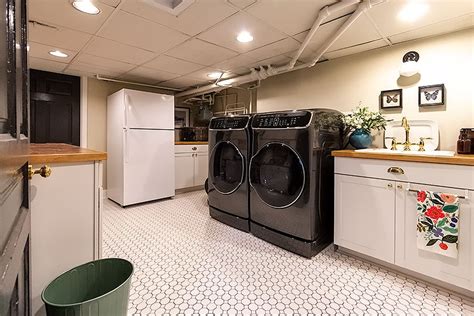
x=58 y=53
x=85 y=6
x=214 y=75
x=413 y=10
x=244 y=37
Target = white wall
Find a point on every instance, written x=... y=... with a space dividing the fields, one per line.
x=346 y=82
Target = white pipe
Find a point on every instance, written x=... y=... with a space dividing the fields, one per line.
x=99 y=77
x=358 y=12
x=324 y=13
x=263 y=72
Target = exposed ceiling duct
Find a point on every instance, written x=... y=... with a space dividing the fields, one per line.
x=266 y=71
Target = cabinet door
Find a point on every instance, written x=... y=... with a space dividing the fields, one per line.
x=184 y=172
x=201 y=163
x=365 y=216
x=458 y=271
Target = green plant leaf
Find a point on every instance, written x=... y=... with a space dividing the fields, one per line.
x=436 y=201
x=450 y=239
x=451 y=208
x=442 y=222
x=451 y=230
x=430 y=226
x=432 y=242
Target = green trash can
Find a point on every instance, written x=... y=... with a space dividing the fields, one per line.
x=98 y=287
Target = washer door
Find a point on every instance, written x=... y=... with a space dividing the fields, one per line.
x=277 y=175
x=227 y=167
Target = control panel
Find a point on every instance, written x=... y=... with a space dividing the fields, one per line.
x=229 y=122
x=281 y=120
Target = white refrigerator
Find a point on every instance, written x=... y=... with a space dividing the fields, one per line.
x=140 y=146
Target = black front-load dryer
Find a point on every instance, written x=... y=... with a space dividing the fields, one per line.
x=292 y=178
x=229 y=139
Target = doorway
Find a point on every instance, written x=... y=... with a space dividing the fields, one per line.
x=54 y=107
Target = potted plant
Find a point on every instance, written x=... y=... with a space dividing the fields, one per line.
x=361 y=122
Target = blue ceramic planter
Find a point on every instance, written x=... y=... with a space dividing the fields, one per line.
x=360 y=139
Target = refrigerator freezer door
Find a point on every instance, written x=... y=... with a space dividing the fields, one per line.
x=148 y=165
x=148 y=110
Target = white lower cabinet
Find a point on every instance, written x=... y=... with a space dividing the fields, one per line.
x=377 y=217
x=365 y=216
x=458 y=271
x=191 y=163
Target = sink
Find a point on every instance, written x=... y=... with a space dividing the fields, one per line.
x=430 y=153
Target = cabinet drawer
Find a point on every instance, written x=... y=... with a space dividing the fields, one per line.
x=191 y=148
x=435 y=174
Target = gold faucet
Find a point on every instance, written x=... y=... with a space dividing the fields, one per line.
x=406 y=126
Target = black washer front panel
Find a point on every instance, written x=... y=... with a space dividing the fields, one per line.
x=229 y=122
x=227 y=167
x=277 y=175
x=294 y=119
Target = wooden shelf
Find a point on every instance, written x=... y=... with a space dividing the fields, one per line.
x=466 y=160
x=191 y=143
x=60 y=153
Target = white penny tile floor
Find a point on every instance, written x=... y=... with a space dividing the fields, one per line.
x=187 y=263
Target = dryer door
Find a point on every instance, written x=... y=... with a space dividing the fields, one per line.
x=226 y=167
x=277 y=175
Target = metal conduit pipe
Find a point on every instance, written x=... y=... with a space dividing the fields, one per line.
x=265 y=72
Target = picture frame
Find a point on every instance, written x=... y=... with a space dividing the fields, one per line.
x=181 y=117
x=391 y=99
x=431 y=95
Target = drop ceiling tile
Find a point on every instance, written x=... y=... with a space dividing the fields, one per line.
x=46 y=65
x=242 y=3
x=148 y=75
x=274 y=61
x=274 y=49
x=290 y=16
x=307 y=56
x=105 y=63
x=323 y=34
x=200 y=52
x=183 y=82
x=225 y=33
x=174 y=65
x=42 y=51
x=112 y=3
x=138 y=32
x=200 y=16
x=93 y=69
x=356 y=49
x=386 y=18
x=451 y=25
x=79 y=73
x=58 y=36
x=242 y=60
x=361 y=31
x=109 y=49
x=63 y=13
x=202 y=74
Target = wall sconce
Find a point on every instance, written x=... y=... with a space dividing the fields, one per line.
x=410 y=65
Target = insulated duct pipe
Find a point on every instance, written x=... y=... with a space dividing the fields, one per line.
x=266 y=71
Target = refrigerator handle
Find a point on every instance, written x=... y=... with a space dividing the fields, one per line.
x=125 y=145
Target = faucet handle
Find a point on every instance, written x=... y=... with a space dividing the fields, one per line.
x=421 y=144
x=394 y=143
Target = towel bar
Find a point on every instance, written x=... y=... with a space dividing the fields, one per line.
x=459 y=196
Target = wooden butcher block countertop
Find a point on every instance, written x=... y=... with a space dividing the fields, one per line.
x=190 y=143
x=466 y=160
x=62 y=153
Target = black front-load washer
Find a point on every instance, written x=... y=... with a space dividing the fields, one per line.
x=229 y=139
x=292 y=178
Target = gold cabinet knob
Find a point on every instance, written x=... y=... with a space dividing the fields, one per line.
x=389 y=185
x=44 y=171
x=395 y=170
x=400 y=186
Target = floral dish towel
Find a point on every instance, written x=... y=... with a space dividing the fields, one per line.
x=438 y=222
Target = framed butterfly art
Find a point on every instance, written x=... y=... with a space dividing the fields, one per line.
x=431 y=95
x=391 y=99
